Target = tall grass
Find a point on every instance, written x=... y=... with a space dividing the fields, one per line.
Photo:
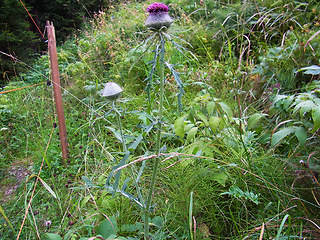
x=218 y=176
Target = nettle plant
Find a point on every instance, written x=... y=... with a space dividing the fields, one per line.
x=304 y=111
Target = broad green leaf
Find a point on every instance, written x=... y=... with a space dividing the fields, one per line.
x=188 y=127
x=254 y=119
x=210 y=107
x=51 y=236
x=214 y=123
x=281 y=134
x=304 y=107
x=92 y=238
x=157 y=221
x=224 y=122
x=192 y=133
x=226 y=109
x=179 y=127
x=314 y=70
x=221 y=178
x=132 y=227
x=287 y=102
x=301 y=134
x=316 y=118
x=278 y=98
x=112 y=237
x=202 y=117
x=107 y=227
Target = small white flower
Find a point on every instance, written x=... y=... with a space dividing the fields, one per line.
x=47 y=223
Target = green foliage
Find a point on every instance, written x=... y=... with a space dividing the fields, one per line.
x=237 y=153
x=15 y=38
x=235 y=191
x=304 y=110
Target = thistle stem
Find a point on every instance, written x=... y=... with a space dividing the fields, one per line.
x=158 y=140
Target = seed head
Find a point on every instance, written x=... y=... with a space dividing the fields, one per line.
x=111 y=91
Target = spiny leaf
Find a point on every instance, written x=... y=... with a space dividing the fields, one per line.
x=116 y=133
x=118 y=173
x=136 y=142
x=125 y=194
x=179 y=83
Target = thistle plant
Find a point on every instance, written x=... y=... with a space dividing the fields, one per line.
x=112 y=91
x=158 y=23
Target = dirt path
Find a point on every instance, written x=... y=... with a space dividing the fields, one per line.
x=13 y=177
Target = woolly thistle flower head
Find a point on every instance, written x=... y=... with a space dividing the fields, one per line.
x=111 y=91
x=158 y=18
x=157 y=7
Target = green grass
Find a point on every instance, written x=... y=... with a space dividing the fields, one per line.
x=219 y=177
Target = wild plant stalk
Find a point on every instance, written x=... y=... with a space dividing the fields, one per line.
x=125 y=149
x=158 y=139
x=124 y=145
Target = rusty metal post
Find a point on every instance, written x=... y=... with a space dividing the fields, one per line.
x=57 y=90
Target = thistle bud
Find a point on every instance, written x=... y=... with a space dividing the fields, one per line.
x=111 y=91
x=158 y=18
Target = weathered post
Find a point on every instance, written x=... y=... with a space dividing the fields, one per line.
x=57 y=90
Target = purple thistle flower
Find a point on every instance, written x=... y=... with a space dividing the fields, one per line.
x=157 y=7
x=158 y=19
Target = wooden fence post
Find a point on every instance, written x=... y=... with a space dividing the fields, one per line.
x=57 y=90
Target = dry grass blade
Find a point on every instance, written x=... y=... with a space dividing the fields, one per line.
x=35 y=185
x=310 y=39
x=262 y=232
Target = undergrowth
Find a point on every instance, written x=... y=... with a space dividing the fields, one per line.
x=239 y=160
